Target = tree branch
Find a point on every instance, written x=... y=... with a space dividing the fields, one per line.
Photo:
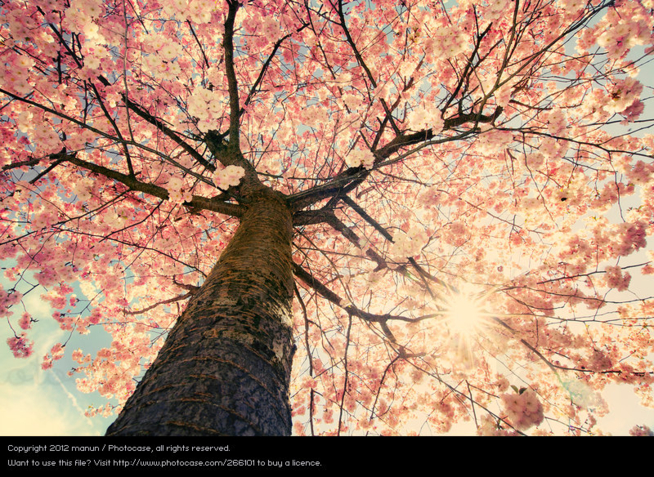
x=197 y=202
x=228 y=44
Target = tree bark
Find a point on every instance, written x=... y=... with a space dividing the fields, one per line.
x=226 y=364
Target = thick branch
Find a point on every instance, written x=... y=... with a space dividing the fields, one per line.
x=98 y=131
x=196 y=203
x=228 y=44
x=354 y=176
x=364 y=215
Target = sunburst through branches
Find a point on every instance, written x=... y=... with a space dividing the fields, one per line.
x=465 y=312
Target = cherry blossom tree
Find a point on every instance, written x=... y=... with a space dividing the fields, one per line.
x=332 y=217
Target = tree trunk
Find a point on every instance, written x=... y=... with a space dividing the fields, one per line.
x=225 y=367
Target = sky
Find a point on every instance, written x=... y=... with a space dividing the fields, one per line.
x=37 y=402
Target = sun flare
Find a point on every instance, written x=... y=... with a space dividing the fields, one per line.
x=463 y=314
x=464 y=311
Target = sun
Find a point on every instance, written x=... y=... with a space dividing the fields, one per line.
x=463 y=314
x=464 y=311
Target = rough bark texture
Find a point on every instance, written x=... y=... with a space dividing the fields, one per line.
x=225 y=367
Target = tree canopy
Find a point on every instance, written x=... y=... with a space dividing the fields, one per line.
x=471 y=186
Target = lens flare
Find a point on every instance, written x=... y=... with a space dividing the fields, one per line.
x=464 y=310
x=463 y=314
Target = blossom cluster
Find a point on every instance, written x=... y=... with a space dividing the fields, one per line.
x=80 y=15
x=360 y=157
x=641 y=431
x=56 y=352
x=20 y=346
x=556 y=122
x=425 y=117
x=409 y=244
x=490 y=427
x=177 y=190
x=523 y=409
x=632 y=237
x=198 y=11
x=7 y=300
x=599 y=361
x=456 y=233
x=444 y=43
x=25 y=321
x=83 y=189
x=228 y=177
x=616 y=279
x=621 y=32
x=207 y=106
x=494 y=140
x=15 y=71
x=625 y=98
x=314 y=117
